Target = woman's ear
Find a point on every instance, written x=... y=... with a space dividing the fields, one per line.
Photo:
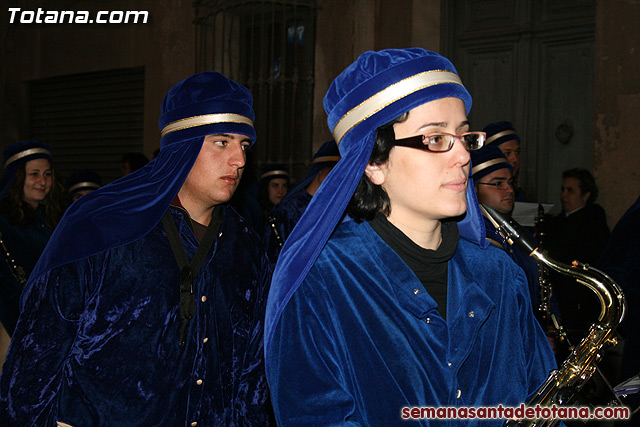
x=375 y=173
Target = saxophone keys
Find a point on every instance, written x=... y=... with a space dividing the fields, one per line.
x=587 y=372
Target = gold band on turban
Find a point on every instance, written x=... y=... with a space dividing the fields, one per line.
x=276 y=172
x=26 y=153
x=389 y=95
x=500 y=135
x=488 y=163
x=206 y=119
x=84 y=184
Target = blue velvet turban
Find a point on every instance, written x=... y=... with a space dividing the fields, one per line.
x=327 y=155
x=377 y=88
x=128 y=208
x=16 y=155
x=486 y=160
x=499 y=133
x=83 y=180
x=273 y=171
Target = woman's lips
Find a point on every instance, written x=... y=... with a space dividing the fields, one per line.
x=456 y=185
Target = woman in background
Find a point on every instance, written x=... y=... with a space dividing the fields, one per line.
x=29 y=211
x=274 y=183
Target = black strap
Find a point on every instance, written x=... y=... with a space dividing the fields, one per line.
x=189 y=270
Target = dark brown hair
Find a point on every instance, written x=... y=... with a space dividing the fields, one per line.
x=20 y=213
x=368 y=197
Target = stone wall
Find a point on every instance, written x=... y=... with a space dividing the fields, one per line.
x=616 y=144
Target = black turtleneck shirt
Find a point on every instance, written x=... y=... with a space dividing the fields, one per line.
x=429 y=266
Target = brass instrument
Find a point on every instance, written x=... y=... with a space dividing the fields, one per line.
x=548 y=320
x=563 y=383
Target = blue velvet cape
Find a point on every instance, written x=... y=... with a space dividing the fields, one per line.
x=361 y=337
x=97 y=342
x=25 y=244
x=286 y=214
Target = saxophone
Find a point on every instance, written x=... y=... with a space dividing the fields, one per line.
x=563 y=383
x=548 y=320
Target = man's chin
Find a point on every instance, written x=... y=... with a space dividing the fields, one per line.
x=505 y=209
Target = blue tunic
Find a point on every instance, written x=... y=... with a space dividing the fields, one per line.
x=25 y=244
x=361 y=338
x=97 y=342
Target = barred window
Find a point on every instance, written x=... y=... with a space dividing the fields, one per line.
x=269 y=47
x=90 y=120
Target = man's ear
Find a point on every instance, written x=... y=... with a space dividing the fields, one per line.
x=375 y=173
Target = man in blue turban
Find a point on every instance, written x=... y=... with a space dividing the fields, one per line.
x=504 y=136
x=386 y=295
x=146 y=308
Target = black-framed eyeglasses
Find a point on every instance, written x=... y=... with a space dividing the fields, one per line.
x=500 y=185
x=443 y=142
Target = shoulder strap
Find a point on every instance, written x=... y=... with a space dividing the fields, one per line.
x=189 y=270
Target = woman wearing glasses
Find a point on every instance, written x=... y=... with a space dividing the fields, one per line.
x=386 y=296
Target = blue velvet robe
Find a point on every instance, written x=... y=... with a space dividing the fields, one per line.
x=97 y=341
x=361 y=338
x=26 y=244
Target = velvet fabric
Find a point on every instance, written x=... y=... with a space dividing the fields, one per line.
x=286 y=215
x=485 y=155
x=26 y=243
x=89 y=179
x=128 y=208
x=367 y=76
x=361 y=337
x=495 y=128
x=327 y=149
x=273 y=171
x=97 y=342
x=288 y=212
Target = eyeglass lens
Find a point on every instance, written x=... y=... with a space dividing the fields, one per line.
x=444 y=141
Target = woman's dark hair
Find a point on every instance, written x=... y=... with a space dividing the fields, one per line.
x=368 y=197
x=586 y=181
x=20 y=213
